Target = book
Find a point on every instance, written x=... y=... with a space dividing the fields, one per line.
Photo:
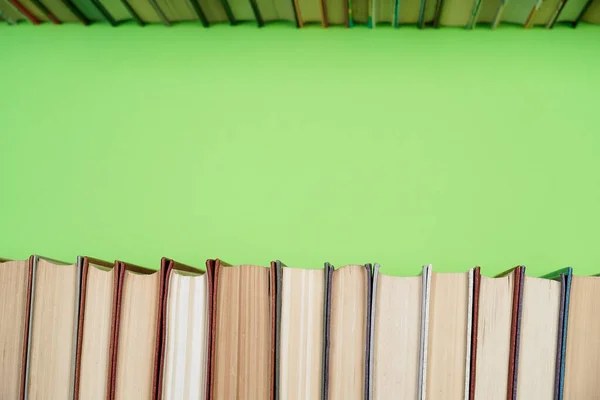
x=58 y=11
x=97 y=312
x=119 y=10
x=496 y=324
x=592 y=13
x=185 y=332
x=146 y=11
x=582 y=351
x=301 y=310
x=136 y=333
x=93 y=10
x=540 y=338
x=97 y=330
x=243 y=11
x=449 y=298
x=37 y=10
x=15 y=299
x=455 y=12
x=383 y=12
x=544 y=13
x=360 y=12
x=181 y=10
x=489 y=12
x=280 y=10
x=311 y=11
x=427 y=12
x=243 y=327
x=396 y=345
x=10 y=13
x=347 y=332
x=215 y=11
x=408 y=12
x=52 y=339
x=519 y=12
x=337 y=12
x=572 y=10
x=23 y=10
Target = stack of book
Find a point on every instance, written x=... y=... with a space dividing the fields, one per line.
x=99 y=330
x=435 y=13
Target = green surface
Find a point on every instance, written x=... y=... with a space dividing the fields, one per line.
x=401 y=147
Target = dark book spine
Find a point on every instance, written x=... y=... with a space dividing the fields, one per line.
x=257 y=14
x=421 y=22
x=131 y=11
x=296 y=14
x=439 y=6
x=324 y=16
x=582 y=13
x=46 y=12
x=105 y=12
x=349 y=14
x=229 y=12
x=77 y=12
x=160 y=13
x=200 y=13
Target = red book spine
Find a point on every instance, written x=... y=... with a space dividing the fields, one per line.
x=25 y=12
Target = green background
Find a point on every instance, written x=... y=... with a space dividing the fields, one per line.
x=402 y=147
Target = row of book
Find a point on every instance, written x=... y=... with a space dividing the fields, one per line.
x=100 y=330
x=462 y=13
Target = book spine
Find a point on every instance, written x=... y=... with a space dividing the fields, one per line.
x=132 y=12
x=421 y=21
x=439 y=5
x=324 y=16
x=568 y=276
x=474 y=328
x=23 y=10
x=114 y=339
x=426 y=295
x=257 y=14
x=297 y=17
x=77 y=334
x=349 y=17
x=326 y=330
x=160 y=13
x=470 y=299
x=556 y=14
x=474 y=15
x=229 y=12
x=582 y=13
x=515 y=331
x=369 y=333
x=530 y=18
x=273 y=295
x=498 y=16
x=215 y=266
x=104 y=11
x=28 y=329
x=372 y=329
x=278 y=303
x=199 y=12
x=76 y=12
x=166 y=266
x=46 y=12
